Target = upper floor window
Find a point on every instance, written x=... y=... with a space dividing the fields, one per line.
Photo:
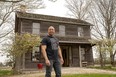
x=36 y=54
x=80 y=32
x=26 y=26
x=36 y=28
x=62 y=30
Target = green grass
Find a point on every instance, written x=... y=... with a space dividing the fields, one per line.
x=5 y=73
x=105 y=67
x=90 y=75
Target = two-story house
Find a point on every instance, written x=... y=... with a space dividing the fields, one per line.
x=73 y=35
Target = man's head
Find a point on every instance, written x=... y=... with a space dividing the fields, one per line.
x=51 y=30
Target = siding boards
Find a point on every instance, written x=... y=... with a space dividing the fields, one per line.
x=45 y=25
x=71 y=30
x=86 y=31
x=75 y=56
x=26 y=26
x=89 y=56
x=28 y=61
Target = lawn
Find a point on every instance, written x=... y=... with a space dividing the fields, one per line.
x=90 y=75
x=105 y=67
x=9 y=73
x=5 y=73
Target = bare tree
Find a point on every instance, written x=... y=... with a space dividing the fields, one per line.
x=20 y=0
x=103 y=47
x=8 y=7
x=79 y=8
x=53 y=0
x=10 y=1
x=104 y=18
x=102 y=14
x=7 y=10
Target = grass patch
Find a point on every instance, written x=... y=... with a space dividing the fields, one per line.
x=5 y=73
x=105 y=67
x=90 y=75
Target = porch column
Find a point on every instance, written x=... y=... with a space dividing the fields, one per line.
x=70 y=57
x=80 y=60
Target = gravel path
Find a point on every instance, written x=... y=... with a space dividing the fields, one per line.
x=72 y=70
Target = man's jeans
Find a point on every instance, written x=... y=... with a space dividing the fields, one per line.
x=57 y=68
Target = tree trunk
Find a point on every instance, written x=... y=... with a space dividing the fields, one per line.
x=17 y=66
x=112 y=60
x=101 y=59
x=23 y=65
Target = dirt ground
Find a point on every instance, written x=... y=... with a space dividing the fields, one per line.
x=68 y=70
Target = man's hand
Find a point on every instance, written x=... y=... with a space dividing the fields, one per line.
x=47 y=62
x=61 y=61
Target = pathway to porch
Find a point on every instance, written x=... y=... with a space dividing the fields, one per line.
x=68 y=70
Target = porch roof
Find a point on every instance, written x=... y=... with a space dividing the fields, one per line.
x=74 y=42
x=74 y=39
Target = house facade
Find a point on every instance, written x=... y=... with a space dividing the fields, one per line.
x=73 y=35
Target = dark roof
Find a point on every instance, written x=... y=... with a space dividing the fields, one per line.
x=51 y=18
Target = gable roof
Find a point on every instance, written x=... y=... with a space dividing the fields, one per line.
x=51 y=18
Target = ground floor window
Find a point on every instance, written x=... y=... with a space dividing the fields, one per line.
x=36 y=54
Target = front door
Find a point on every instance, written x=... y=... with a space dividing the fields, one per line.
x=65 y=54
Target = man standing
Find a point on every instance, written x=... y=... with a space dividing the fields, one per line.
x=52 y=53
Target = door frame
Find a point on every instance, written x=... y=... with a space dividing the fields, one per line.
x=65 y=52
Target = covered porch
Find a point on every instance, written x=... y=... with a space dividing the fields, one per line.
x=76 y=54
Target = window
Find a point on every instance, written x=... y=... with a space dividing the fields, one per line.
x=36 y=28
x=26 y=26
x=80 y=32
x=36 y=54
x=62 y=30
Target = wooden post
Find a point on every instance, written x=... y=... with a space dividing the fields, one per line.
x=80 y=60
